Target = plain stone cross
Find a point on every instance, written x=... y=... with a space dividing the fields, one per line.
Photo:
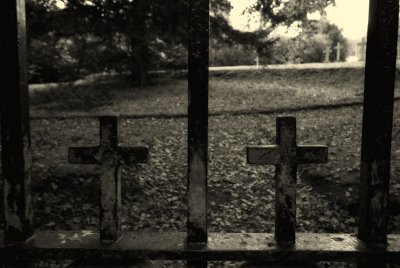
x=110 y=157
x=286 y=155
x=338 y=48
x=362 y=48
x=257 y=60
x=327 y=53
x=398 y=50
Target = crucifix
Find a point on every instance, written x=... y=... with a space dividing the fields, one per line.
x=286 y=155
x=327 y=53
x=110 y=157
x=338 y=47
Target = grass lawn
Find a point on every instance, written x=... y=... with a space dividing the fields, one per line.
x=229 y=91
x=240 y=195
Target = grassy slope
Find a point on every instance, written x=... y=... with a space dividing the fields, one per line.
x=229 y=91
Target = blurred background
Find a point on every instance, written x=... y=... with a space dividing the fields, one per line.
x=70 y=39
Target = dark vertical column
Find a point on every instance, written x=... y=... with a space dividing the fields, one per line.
x=377 y=120
x=15 y=125
x=198 y=121
x=198 y=125
x=110 y=176
x=285 y=181
x=377 y=123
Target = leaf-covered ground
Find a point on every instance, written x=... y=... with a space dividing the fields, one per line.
x=240 y=195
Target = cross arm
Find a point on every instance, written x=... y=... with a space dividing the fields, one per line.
x=312 y=154
x=83 y=155
x=133 y=155
x=263 y=155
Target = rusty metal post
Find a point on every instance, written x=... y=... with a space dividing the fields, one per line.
x=198 y=125
x=15 y=123
x=198 y=121
x=377 y=122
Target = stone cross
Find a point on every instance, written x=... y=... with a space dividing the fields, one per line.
x=257 y=60
x=362 y=49
x=327 y=53
x=286 y=155
x=110 y=157
x=356 y=50
x=338 y=47
x=398 y=51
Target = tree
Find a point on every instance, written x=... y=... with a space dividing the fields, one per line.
x=323 y=33
x=140 y=30
x=285 y=12
x=46 y=47
x=309 y=45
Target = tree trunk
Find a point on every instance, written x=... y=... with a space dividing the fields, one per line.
x=140 y=56
x=139 y=64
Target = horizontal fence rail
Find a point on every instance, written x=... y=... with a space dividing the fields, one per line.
x=172 y=246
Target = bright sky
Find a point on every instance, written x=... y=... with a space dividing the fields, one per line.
x=350 y=15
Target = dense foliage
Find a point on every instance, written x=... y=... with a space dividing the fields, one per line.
x=135 y=36
x=309 y=45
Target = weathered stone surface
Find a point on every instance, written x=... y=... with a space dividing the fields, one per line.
x=110 y=157
x=286 y=155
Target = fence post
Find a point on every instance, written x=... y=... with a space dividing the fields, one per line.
x=377 y=123
x=198 y=124
x=15 y=123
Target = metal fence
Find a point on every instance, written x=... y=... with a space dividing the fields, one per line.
x=371 y=247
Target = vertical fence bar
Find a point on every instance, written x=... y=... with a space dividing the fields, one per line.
x=198 y=120
x=377 y=121
x=15 y=124
x=198 y=124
